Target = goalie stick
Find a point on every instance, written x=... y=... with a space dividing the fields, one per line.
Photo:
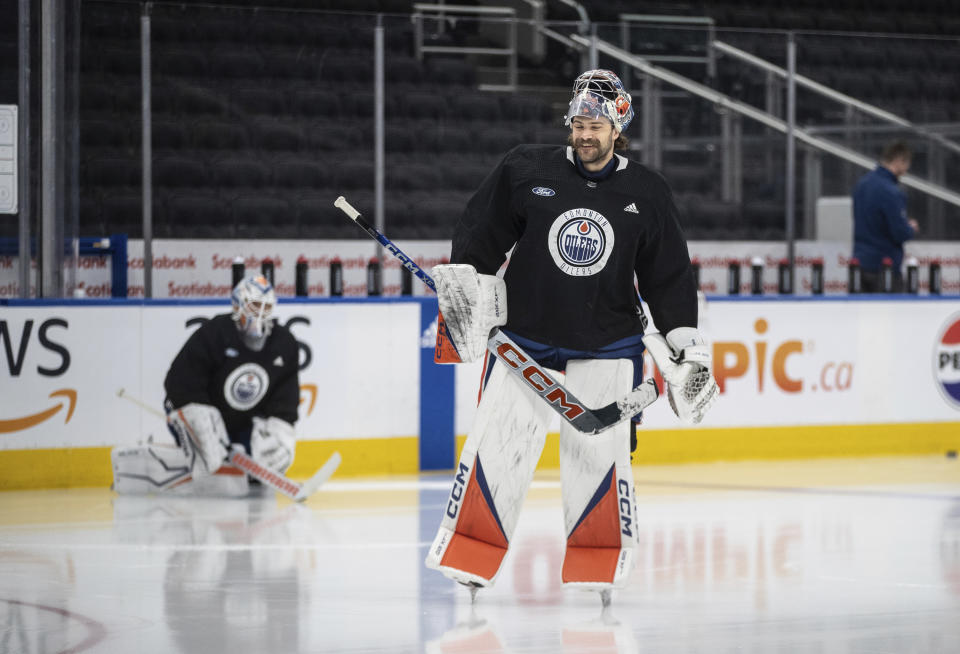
x=522 y=365
x=280 y=483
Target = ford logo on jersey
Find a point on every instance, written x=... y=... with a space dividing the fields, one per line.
x=946 y=361
x=580 y=241
x=544 y=191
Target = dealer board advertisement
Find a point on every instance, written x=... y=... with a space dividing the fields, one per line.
x=202 y=269
x=64 y=368
x=777 y=363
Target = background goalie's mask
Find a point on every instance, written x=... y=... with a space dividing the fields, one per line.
x=253 y=301
x=600 y=94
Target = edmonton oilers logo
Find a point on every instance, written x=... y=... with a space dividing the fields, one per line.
x=580 y=241
x=246 y=386
x=946 y=361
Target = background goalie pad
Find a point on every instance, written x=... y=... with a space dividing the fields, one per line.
x=471 y=306
x=599 y=508
x=155 y=469
x=491 y=481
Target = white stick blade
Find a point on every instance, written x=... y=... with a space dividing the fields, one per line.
x=319 y=477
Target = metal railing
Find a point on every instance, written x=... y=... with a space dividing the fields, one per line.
x=826 y=91
x=726 y=102
x=439 y=13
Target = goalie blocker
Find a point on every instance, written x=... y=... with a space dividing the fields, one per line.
x=470 y=307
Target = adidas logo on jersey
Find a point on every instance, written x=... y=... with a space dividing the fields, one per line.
x=631 y=208
x=278 y=361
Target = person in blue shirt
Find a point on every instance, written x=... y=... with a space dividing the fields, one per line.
x=880 y=222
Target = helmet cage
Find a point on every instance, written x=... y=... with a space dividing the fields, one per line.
x=600 y=94
x=253 y=299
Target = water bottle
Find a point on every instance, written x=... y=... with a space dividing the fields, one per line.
x=784 y=277
x=374 y=278
x=756 y=276
x=886 y=275
x=336 y=277
x=816 y=276
x=733 y=278
x=237 y=270
x=266 y=269
x=406 y=281
x=913 y=276
x=935 y=280
x=301 y=277
x=853 y=276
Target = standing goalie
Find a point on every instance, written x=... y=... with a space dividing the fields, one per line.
x=234 y=383
x=589 y=228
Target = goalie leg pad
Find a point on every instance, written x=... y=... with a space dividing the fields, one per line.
x=491 y=481
x=598 y=495
x=155 y=469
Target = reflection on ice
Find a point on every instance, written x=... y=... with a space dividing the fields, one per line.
x=851 y=569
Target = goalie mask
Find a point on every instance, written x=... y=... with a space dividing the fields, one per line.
x=600 y=94
x=253 y=301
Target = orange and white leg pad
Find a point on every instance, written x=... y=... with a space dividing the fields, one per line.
x=599 y=507
x=493 y=475
x=156 y=468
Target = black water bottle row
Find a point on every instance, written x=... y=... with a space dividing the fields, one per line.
x=887 y=280
x=301 y=272
x=784 y=284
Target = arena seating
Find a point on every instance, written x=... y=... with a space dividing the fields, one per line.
x=260 y=118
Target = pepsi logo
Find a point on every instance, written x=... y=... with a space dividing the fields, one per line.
x=543 y=191
x=946 y=361
x=580 y=241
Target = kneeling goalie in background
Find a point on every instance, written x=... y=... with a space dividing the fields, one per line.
x=234 y=384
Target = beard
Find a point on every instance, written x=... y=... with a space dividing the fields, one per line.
x=594 y=153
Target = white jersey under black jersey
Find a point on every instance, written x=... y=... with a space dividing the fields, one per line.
x=214 y=367
x=580 y=244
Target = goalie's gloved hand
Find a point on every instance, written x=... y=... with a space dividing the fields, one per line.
x=471 y=305
x=685 y=362
x=272 y=443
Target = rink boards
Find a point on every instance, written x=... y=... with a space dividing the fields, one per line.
x=799 y=378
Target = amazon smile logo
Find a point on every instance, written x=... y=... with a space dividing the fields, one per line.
x=26 y=422
x=311 y=390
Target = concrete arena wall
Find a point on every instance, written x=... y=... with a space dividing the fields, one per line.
x=799 y=378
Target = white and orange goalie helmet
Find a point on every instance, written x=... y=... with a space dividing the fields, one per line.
x=600 y=94
x=253 y=301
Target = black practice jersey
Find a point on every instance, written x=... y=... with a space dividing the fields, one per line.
x=579 y=248
x=214 y=367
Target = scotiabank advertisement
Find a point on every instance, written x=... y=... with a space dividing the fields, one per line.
x=79 y=374
x=185 y=269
